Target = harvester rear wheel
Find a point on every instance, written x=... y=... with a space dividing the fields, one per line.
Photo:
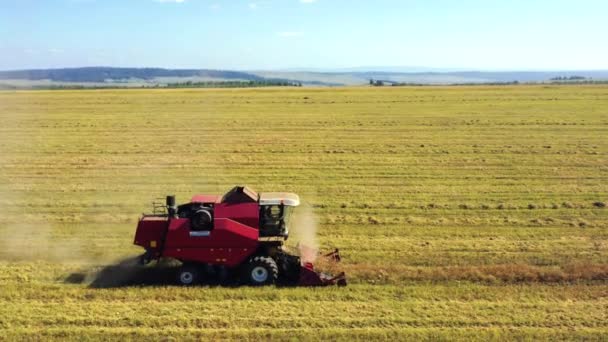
x=261 y=271
x=188 y=274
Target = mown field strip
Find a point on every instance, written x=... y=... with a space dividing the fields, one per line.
x=355 y=311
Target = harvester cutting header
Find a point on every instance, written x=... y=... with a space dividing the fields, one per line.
x=241 y=233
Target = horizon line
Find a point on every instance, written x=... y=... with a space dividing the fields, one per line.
x=353 y=69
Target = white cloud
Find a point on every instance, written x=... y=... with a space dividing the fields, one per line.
x=254 y=5
x=290 y=34
x=173 y=1
x=308 y=1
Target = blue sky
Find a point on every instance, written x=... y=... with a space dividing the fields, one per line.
x=281 y=34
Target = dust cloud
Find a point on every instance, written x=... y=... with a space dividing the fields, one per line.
x=34 y=241
x=303 y=229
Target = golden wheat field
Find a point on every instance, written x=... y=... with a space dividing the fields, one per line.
x=461 y=212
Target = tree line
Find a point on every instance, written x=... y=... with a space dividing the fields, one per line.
x=189 y=84
x=234 y=84
x=555 y=80
x=568 y=78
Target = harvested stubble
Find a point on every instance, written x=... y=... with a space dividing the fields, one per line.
x=455 y=218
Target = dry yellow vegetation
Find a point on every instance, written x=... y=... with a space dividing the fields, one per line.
x=461 y=212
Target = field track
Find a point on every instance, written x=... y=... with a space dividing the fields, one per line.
x=461 y=212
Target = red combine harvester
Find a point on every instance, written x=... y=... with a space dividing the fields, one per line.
x=241 y=233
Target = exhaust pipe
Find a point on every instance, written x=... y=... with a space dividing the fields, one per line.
x=171 y=214
x=171 y=207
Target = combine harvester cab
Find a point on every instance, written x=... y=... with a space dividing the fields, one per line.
x=242 y=233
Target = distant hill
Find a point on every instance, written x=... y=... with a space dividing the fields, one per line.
x=134 y=77
x=103 y=74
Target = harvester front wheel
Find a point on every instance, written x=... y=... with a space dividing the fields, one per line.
x=188 y=275
x=262 y=271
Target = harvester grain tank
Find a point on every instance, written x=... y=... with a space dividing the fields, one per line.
x=242 y=233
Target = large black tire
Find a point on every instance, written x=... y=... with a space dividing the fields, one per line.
x=188 y=275
x=261 y=271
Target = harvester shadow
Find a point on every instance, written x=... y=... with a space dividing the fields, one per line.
x=115 y=276
x=120 y=276
x=124 y=273
x=127 y=273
